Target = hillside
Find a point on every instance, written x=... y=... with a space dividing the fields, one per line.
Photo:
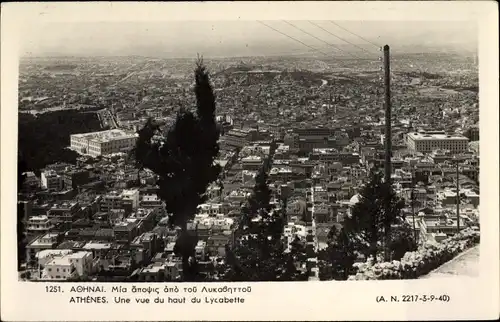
x=43 y=139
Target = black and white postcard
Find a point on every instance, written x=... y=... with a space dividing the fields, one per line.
x=249 y=161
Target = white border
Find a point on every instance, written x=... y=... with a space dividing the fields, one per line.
x=470 y=298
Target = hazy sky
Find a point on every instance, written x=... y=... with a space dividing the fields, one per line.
x=239 y=38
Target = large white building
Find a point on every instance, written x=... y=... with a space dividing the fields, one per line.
x=427 y=142
x=59 y=269
x=103 y=143
x=68 y=265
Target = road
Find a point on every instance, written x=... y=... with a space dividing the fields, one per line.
x=465 y=264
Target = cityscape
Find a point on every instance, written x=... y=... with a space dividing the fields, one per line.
x=328 y=156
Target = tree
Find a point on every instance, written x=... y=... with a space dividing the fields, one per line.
x=338 y=257
x=183 y=160
x=297 y=256
x=402 y=240
x=377 y=209
x=261 y=197
x=259 y=253
x=44 y=138
x=21 y=234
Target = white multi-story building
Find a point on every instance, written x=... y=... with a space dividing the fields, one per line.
x=82 y=261
x=68 y=265
x=120 y=200
x=59 y=269
x=39 y=224
x=51 y=180
x=103 y=143
x=46 y=256
x=132 y=197
x=427 y=142
x=252 y=163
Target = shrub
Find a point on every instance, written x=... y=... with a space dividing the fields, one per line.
x=420 y=262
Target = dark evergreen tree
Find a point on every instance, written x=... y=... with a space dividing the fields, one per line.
x=261 y=256
x=43 y=139
x=184 y=163
x=377 y=209
x=21 y=234
x=339 y=256
x=261 y=197
x=402 y=240
x=259 y=253
x=298 y=256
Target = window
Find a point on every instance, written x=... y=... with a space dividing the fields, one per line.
x=57 y=269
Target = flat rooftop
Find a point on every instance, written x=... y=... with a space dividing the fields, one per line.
x=435 y=136
x=105 y=136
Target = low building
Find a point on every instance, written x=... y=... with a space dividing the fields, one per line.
x=64 y=212
x=126 y=231
x=82 y=262
x=51 y=181
x=47 y=241
x=59 y=269
x=45 y=256
x=126 y=199
x=38 y=225
x=251 y=163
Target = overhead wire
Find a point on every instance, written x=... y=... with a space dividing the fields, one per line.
x=393 y=74
x=329 y=44
x=296 y=40
x=344 y=40
x=377 y=84
x=355 y=34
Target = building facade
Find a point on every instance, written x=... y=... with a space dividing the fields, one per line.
x=103 y=143
x=427 y=142
x=50 y=180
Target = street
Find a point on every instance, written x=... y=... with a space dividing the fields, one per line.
x=465 y=264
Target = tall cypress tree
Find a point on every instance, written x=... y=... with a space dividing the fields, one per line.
x=370 y=216
x=261 y=197
x=184 y=162
x=259 y=253
x=339 y=256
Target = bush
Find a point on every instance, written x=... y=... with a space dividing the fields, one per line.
x=420 y=262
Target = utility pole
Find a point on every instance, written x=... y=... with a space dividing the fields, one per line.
x=388 y=117
x=413 y=202
x=458 y=197
x=388 y=147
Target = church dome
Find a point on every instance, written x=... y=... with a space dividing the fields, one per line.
x=355 y=199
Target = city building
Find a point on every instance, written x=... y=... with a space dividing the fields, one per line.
x=82 y=261
x=103 y=143
x=38 y=224
x=240 y=137
x=50 y=180
x=47 y=241
x=426 y=142
x=64 y=212
x=125 y=199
